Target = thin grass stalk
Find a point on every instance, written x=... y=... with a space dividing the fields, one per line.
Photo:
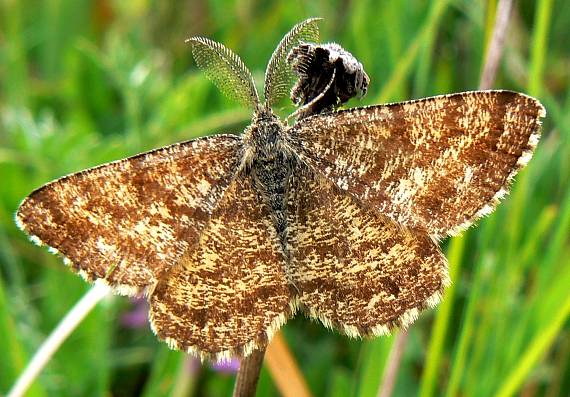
x=185 y=381
x=561 y=363
x=424 y=64
x=67 y=325
x=495 y=48
x=556 y=255
x=482 y=319
x=467 y=330
x=374 y=356
x=442 y=321
x=394 y=361
x=168 y=366
x=403 y=67
x=490 y=18
x=559 y=237
x=539 y=46
x=537 y=348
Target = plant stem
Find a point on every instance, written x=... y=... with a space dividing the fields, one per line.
x=248 y=374
x=394 y=360
x=284 y=370
x=495 y=48
x=66 y=326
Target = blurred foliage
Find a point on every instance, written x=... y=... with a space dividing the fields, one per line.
x=85 y=82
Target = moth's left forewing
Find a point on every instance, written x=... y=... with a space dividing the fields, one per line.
x=438 y=163
x=127 y=221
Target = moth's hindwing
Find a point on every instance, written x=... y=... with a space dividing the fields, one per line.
x=354 y=269
x=229 y=293
x=438 y=163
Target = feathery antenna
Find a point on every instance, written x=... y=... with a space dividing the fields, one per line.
x=278 y=75
x=225 y=69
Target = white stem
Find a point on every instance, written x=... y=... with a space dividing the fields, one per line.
x=497 y=44
x=57 y=337
x=315 y=99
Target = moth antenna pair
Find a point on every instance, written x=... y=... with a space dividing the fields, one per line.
x=228 y=72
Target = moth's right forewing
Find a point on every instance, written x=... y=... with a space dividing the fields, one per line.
x=128 y=221
x=437 y=163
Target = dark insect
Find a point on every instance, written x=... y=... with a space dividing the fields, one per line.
x=328 y=77
x=338 y=215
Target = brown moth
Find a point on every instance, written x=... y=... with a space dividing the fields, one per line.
x=338 y=215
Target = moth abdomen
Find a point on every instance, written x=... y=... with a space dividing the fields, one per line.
x=271 y=177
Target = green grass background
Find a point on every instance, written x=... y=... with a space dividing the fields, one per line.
x=85 y=82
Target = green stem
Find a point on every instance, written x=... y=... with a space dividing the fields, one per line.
x=537 y=348
x=442 y=321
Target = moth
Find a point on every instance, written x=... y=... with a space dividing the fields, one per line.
x=337 y=215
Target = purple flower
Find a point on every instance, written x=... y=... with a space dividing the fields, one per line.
x=138 y=316
x=226 y=367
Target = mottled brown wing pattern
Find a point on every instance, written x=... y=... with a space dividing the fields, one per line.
x=355 y=269
x=229 y=293
x=126 y=222
x=439 y=163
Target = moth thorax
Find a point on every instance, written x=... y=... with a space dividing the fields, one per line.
x=265 y=136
